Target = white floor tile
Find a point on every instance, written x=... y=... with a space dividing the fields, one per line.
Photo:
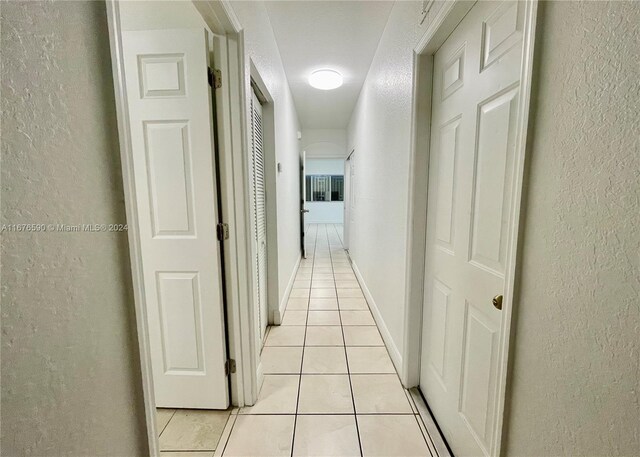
x=350 y=293
x=323 y=293
x=324 y=336
x=326 y=436
x=322 y=394
x=369 y=360
x=389 y=436
x=352 y=304
x=281 y=360
x=324 y=360
x=261 y=436
x=323 y=277
x=285 y=336
x=323 y=318
x=278 y=395
x=356 y=318
x=299 y=293
x=362 y=336
x=316 y=304
x=294 y=304
x=193 y=430
x=376 y=394
x=293 y=317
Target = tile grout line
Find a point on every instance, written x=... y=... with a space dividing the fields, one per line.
x=167 y=424
x=304 y=345
x=344 y=346
x=427 y=439
x=226 y=443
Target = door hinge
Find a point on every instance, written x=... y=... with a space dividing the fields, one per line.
x=222 y=230
x=229 y=367
x=214 y=77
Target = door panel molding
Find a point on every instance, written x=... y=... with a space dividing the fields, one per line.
x=511 y=32
x=228 y=57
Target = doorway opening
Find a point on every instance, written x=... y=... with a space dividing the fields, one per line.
x=264 y=188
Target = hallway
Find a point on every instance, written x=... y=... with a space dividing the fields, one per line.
x=330 y=387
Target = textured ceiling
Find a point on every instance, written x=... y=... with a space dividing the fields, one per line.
x=341 y=35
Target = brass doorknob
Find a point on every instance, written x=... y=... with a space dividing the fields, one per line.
x=497 y=302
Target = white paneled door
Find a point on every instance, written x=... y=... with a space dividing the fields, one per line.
x=170 y=110
x=474 y=110
x=259 y=211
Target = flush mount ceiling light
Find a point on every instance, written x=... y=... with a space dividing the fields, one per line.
x=325 y=79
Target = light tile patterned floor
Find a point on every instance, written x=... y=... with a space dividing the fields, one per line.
x=330 y=388
x=188 y=432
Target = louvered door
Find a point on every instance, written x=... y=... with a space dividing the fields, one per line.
x=260 y=210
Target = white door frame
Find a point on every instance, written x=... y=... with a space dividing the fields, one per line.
x=346 y=224
x=257 y=84
x=442 y=25
x=234 y=182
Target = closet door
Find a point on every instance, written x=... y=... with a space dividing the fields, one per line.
x=172 y=139
x=260 y=210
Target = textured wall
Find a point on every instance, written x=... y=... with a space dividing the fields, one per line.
x=576 y=375
x=380 y=133
x=261 y=48
x=70 y=372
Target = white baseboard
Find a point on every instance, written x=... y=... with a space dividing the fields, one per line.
x=394 y=353
x=282 y=307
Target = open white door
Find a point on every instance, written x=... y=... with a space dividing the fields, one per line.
x=476 y=85
x=171 y=121
x=303 y=199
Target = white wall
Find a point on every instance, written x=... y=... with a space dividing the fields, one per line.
x=159 y=14
x=324 y=212
x=327 y=143
x=575 y=362
x=379 y=132
x=325 y=166
x=261 y=49
x=71 y=382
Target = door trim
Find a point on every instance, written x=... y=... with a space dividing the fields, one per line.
x=442 y=25
x=257 y=84
x=219 y=16
x=348 y=186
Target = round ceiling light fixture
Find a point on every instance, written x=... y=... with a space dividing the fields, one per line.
x=325 y=79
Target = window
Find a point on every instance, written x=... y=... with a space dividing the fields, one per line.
x=324 y=188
